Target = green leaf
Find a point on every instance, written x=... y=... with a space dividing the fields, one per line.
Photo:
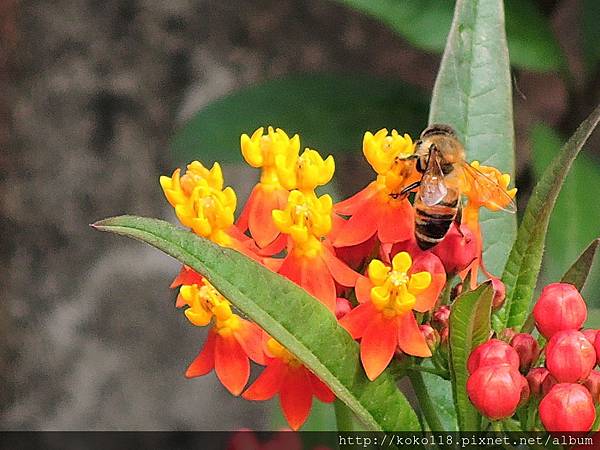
x=523 y=265
x=286 y=312
x=473 y=94
x=469 y=326
x=590 y=17
x=574 y=221
x=331 y=114
x=425 y=24
x=580 y=270
x=440 y=391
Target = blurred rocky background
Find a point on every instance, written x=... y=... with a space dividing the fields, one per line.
x=91 y=94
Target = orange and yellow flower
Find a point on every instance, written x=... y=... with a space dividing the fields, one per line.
x=379 y=208
x=231 y=342
x=384 y=319
x=295 y=384
x=266 y=151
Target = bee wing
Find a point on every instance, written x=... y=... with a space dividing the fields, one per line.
x=490 y=191
x=433 y=189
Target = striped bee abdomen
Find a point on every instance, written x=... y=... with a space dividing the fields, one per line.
x=433 y=222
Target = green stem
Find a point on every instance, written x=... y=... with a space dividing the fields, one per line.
x=427 y=406
x=496 y=426
x=344 y=418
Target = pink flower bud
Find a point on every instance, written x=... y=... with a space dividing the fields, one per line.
x=597 y=348
x=568 y=407
x=499 y=293
x=506 y=335
x=590 y=335
x=592 y=383
x=441 y=317
x=560 y=307
x=536 y=378
x=569 y=356
x=527 y=348
x=492 y=352
x=496 y=391
x=548 y=384
x=342 y=307
x=457 y=250
x=431 y=336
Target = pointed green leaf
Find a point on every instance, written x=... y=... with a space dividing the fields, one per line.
x=286 y=312
x=440 y=391
x=523 y=265
x=473 y=94
x=579 y=271
x=330 y=112
x=469 y=326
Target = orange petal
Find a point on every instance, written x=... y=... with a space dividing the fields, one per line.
x=295 y=397
x=205 y=361
x=320 y=389
x=274 y=247
x=349 y=206
x=260 y=221
x=343 y=274
x=396 y=224
x=242 y=222
x=291 y=268
x=249 y=335
x=428 y=262
x=378 y=345
x=317 y=281
x=231 y=364
x=360 y=227
x=188 y=276
x=363 y=289
x=273 y=264
x=268 y=382
x=358 y=319
x=410 y=338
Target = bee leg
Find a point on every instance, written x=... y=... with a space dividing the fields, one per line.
x=404 y=192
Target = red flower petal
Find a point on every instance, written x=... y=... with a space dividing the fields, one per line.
x=231 y=364
x=363 y=289
x=205 y=361
x=295 y=397
x=349 y=206
x=186 y=276
x=317 y=281
x=378 y=345
x=242 y=221
x=180 y=302
x=358 y=319
x=320 y=389
x=268 y=382
x=395 y=223
x=360 y=227
x=343 y=274
x=410 y=338
x=260 y=221
x=291 y=268
x=249 y=335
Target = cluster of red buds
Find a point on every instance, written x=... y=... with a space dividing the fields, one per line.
x=564 y=387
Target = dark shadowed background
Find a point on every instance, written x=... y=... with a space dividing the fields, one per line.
x=94 y=96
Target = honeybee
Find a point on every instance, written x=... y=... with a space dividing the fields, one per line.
x=440 y=158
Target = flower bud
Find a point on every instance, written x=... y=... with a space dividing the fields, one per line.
x=506 y=335
x=592 y=383
x=457 y=250
x=441 y=317
x=597 y=349
x=342 y=307
x=527 y=348
x=568 y=407
x=560 y=307
x=492 y=352
x=457 y=290
x=590 y=335
x=569 y=356
x=496 y=391
x=499 y=293
x=536 y=378
x=432 y=337
x=548 y=384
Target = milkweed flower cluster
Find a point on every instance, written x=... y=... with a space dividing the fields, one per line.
x=358 y=257
x=562 y=388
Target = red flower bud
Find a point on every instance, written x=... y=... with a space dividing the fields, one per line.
x=569 y=356
x=432 y=337
x=496 y=391
x=457 y=250
x=590 y=335
x=592 y=383
x=527 y=348
x=535 y=378
x=597 y=348
x=548 y=384
x=568 y=407
x=506 y=335
x=444 y=334
x=560 y=307
x=492 y=352
x=441 y=317
x=499 y=293
x=342 y=307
